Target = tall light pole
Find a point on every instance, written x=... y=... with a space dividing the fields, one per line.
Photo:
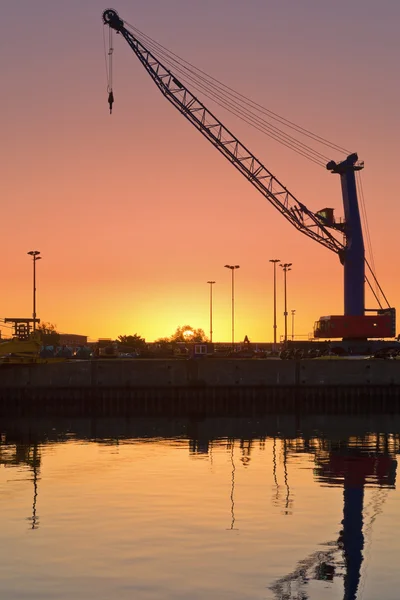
x=293 y=313
x=286 y=268
x=274 y=261
x=35 y=257
x=211 y=299
x=232 y=268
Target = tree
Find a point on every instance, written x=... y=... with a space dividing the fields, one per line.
x=167 y=346
x=165 y=341
x=134 y=342
x=187 y=333
x=49 y=335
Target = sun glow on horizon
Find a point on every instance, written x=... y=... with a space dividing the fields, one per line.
x=153 y=212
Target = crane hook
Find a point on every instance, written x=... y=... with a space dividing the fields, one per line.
x=110 y=100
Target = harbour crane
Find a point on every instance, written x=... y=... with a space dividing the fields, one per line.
x=343 y=238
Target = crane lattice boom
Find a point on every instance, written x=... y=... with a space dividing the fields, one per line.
x=309 y=223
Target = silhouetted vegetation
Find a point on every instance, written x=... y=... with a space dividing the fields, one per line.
x=187 y=333
x=131 y=343
x=49 y=336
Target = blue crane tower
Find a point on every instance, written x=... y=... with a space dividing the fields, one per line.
x=353 y=255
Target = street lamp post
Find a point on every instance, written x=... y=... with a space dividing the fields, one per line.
x=293 y=313
x=286 y=268
x=211 y=306
x=232 y=268
x=274 y=261
x=35 y=257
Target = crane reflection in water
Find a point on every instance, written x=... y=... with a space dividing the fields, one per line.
x=352 y=464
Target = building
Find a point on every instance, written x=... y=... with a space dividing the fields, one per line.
x=72 y=339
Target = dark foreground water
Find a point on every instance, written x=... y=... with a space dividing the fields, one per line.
x=281 y=508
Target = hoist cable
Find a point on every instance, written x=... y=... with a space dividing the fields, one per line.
x=373 y=292
x=363 y=215
x=366 y=223
x=245 y=99
x=226 y=97
x=237 y=112
x=263 y=129
x=194 y=77
x=110 y=62
x=105 y=60
x=254 y=121
x=377 y=283
x=262 y=122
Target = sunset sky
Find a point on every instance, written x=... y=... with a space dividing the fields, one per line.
x=134 y=212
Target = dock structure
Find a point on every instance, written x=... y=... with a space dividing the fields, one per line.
x=222 y=387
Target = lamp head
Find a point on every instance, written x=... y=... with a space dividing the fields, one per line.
x=286 y=266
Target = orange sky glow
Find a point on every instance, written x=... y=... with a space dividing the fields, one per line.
x=133 y=213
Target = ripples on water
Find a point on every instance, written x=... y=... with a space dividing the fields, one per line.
x=233 y=509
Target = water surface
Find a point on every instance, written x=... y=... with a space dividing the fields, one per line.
x=279 y=508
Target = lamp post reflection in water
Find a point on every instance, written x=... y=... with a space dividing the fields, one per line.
x=35 y=467
x=274 y=470
x=231 y=528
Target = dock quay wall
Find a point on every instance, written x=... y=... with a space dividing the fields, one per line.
x=203 y=387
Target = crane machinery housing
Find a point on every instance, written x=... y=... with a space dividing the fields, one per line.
x=345 y=238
